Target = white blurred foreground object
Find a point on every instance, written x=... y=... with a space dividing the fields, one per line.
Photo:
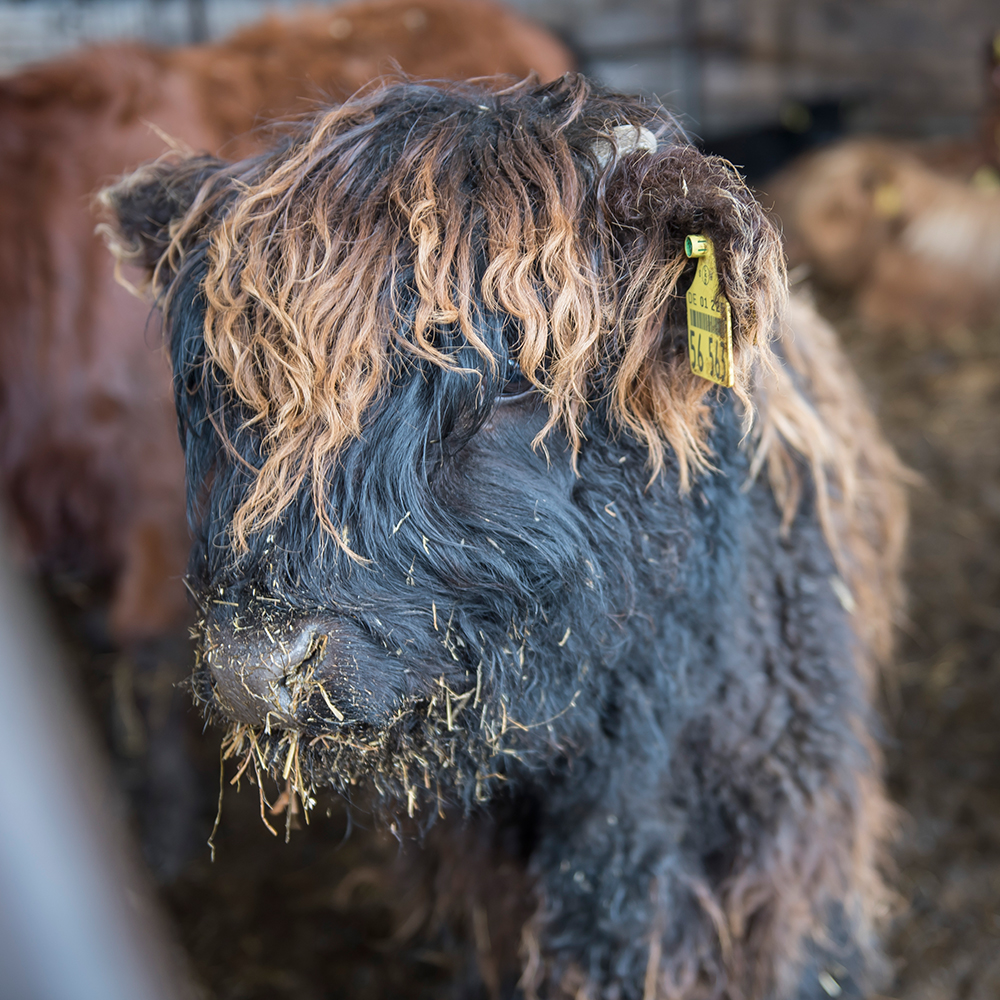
x=75 y=920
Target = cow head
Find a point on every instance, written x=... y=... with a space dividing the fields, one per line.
x=431 y=379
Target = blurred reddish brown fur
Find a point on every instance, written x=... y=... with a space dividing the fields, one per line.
x=91 y=466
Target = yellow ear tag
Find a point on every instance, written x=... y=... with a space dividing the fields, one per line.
x=710 y=323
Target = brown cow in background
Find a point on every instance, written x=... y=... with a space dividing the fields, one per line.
x=909 y=232
x=908 y=246
x=92 y=470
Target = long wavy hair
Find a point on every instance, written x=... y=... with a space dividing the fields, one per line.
x=412 y=210
x=393 y=226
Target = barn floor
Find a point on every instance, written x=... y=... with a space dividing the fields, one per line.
x=939 y=400
x=321 y=917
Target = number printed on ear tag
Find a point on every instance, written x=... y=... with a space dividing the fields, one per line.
x=710 y=324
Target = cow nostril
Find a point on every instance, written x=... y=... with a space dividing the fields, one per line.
x=301 y=681
x=264 y=675
x=314 y=654
x=292 y=652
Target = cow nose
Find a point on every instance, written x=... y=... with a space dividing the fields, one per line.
x=251 y=666
x=271 y=665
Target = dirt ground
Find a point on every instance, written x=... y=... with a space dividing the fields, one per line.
x=321 y=917
x=939 y=401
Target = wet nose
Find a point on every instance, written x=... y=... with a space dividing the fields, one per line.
x=252 y=666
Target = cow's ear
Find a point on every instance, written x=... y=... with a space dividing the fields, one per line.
x=156 y=213
x=654 y=202
x=651 y=203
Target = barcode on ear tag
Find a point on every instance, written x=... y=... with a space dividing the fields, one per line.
x=709 y=319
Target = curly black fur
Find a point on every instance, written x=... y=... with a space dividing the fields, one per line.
x=656 y=689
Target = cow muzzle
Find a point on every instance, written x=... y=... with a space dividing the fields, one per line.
x=315 y=672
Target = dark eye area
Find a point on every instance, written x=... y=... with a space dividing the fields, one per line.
x=515 y=382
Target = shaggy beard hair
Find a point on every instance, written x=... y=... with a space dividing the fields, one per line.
x=452 y=748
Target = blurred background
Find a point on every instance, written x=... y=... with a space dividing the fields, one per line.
x=871 y=128
x=905 y=68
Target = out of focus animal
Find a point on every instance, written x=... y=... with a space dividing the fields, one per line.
x=908 y=245
x=91 y=470
x=473 y=537
x=909 y=231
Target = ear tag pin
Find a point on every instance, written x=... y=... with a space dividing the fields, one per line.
x=709 y=318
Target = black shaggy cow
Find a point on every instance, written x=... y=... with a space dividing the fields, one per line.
x=470 y=531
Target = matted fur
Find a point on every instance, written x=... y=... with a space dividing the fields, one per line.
x=311 y=243
x=822 y=415
x=352 y=261
x=307 y=250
